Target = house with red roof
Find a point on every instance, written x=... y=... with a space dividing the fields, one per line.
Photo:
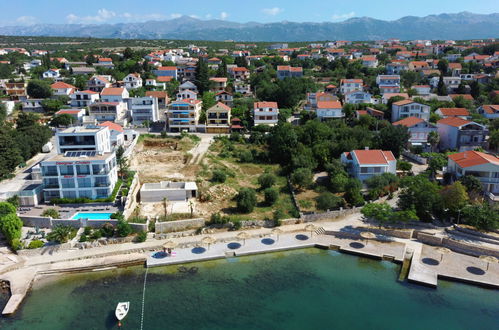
x=219 y=84
x=225 y=97
x=265 y=113
x=453 y=112
x=132 y=81
x=369 y=61
x=166 y=71
x=183 y=115
x=485 y=167
x=351 y=85
x=114 y=94
x=409 y=108
x=490 y=111
x=77 y=114
x=364 y=164
x=98 y=83
x=62 y=89
x=286 y=71
x=51 y=74
x=419 y=129
x=116 y=131
x=460 y=134
x=329 y=110
x=239 y=73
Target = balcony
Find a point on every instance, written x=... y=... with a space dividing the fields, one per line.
x=50 y=173
x=102 y=184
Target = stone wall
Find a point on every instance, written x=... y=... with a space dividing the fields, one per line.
x=178 y=225
x=140 y=226
x=416 y=158
x=40 y=222
x=132 y=197
x=329 y=214
x=429 y=238
x=470 y=249
x=400 y=233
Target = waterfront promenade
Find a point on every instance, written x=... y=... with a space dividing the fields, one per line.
x=427 y=264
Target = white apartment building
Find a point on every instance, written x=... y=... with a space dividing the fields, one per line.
x=133 y=81
x=408 y=108
x=83 y=99
x=144 y=108
x=265 y=113
x=81 y=138
x=351 y=85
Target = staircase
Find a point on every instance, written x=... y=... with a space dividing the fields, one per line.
x=320 y=231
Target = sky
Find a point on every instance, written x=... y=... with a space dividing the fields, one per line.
x=28 y=12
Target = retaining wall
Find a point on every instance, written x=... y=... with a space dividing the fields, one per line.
x=178 y=225
x=40 y=222
x=414 y=157
x=131 y=198
x=329 y=214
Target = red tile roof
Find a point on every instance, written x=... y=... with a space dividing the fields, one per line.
x=408 y=122
x=365 y=157
x=491 y=109
x=404 y=102
x=329 y=105
x=164 y=79
x=265 y=105
x=60 y=84
x=454 y=112
x=453 y=121
x=158 y=94
x=473 y=158
x=465 y=96
x=113 y=91
x=167 y=68
x=112 y=126
x=351 y=81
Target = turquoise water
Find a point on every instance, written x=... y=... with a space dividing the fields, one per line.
x=92 y=216
x=306 y=289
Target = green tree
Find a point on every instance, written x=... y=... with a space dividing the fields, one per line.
x=475 y=89
x=271 y=195
x=393 y=138
x=301 y=177
x=381 y=212
x=420 y=194
x=328 y=201
x=441 y=88
x=494 y=140
x=454 y=197
x=123 y=228
x=266 y=180
x=433 y=139
x=481 y=216
x=64 y=120
x=39 y=89
x=202 y=77
x=11 y=225
x=219 y=176
x=353 y=195
x=246 y=200
x=443 y=66
x=6 y=208
x=472 y=184
x=404 y=166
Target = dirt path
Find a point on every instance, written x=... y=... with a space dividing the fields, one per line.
x=201 y=148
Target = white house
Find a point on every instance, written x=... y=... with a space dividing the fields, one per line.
x=62 y=89
x=114 y=94
x=188 y=86
x=144 y=108
x=388 y=83
x=419 y=129
x=265 y=113
x=187 y=94
x=133 y=81
x=489 y=111
x=329 y=110
x=422 y=89
x=117 y=133
x=369 y=61
x=460 y=134
x=32 y=105
x=81 y=99
x=98 y=83
x=408 y=108
x=364 y=164
x=225 y=97
x=357 y=97
x=77 y=114
x=351 y=85
x=51 y=73
x=484 y=167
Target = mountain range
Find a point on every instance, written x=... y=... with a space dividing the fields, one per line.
x=464 y=25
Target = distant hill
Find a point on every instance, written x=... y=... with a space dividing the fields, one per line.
x=463 y=25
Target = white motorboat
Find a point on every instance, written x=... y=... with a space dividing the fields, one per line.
x=122 y=310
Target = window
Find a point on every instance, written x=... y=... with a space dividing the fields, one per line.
x=364 y=170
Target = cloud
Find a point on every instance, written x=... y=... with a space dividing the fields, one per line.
x=175 y=15
x=342 y=17
x=272 y=11
x=207 y=16
x=26 y=20
x=193 y=16
x=101 y=16
x=145 y=17
x=224 y=15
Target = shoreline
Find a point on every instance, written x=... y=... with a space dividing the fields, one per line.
x=382 y=248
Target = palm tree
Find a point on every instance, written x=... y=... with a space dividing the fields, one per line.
x=433 y=139
x=165 y=203
x=60 y=234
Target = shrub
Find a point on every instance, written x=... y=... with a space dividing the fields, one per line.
x=246 y=200
x=277 y=216
x=246 y=156
x=107 y=230
x=61 y=234
x=11 y=226
x=87 y=230
x=16 y=244
x=6 y=208
x=36 y=244
x=217 y=218
x=266 y=180
x=236 y=223
x=141 y=236
x=83 y=238
x=53 y=213
x=117 y=215
x=123 y=228
x=328 y=201
x=271 y=196
x=219 y=176
x=96 y=234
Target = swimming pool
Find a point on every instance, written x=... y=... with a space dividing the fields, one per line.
x=92 y=216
